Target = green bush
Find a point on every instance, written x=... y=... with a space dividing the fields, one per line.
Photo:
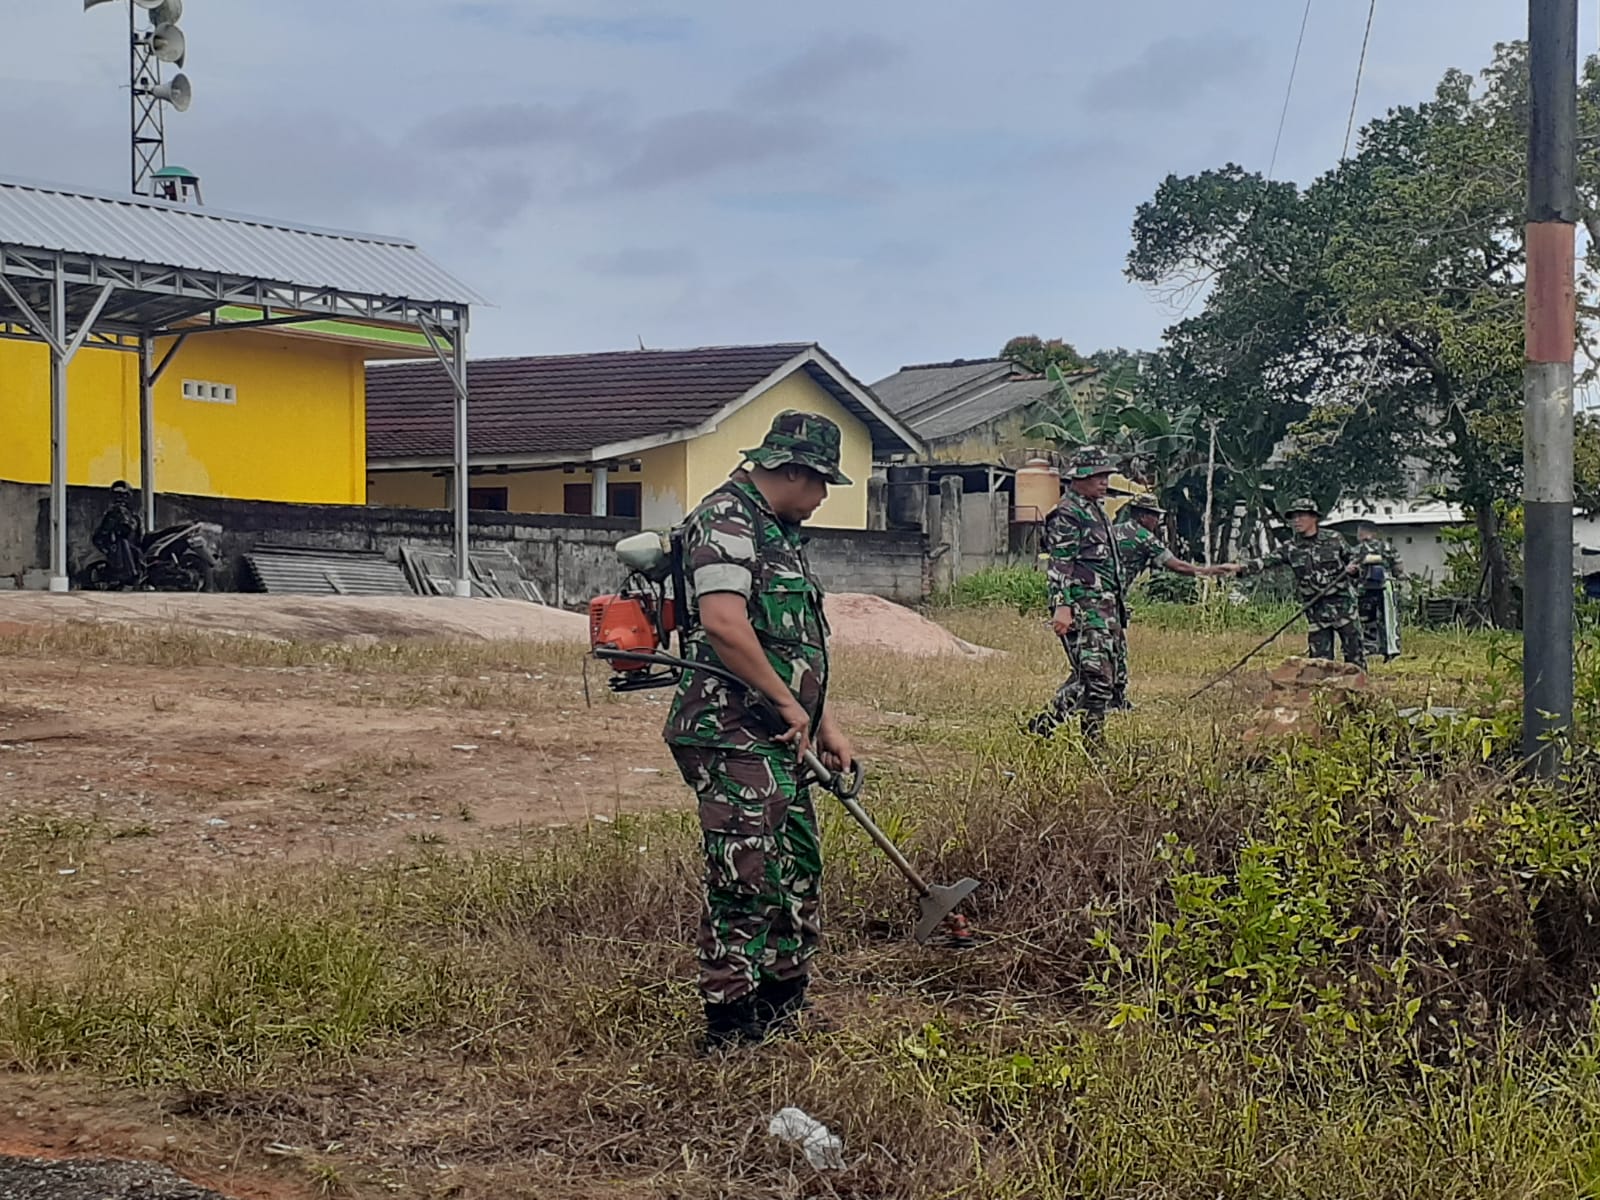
x=1171 y=587
x=1021 y=587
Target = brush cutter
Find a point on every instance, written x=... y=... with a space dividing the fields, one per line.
x=936 y=904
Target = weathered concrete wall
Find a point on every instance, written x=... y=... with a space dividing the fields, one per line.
x=571 y=558
x=892 y=565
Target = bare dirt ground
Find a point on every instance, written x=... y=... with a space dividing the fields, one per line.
x=217 y=767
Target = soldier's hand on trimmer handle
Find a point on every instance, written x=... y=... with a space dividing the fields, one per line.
x=797 y=725
x=833 y=747
x=1062 y=621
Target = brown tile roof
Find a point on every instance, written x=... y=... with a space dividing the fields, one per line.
x=571 y=404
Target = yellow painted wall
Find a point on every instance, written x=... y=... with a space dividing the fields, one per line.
x=660 y=474
x=673 y=477
x=714 y=455
x=296 y=431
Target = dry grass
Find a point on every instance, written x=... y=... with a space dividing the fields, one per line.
x=520 y=1024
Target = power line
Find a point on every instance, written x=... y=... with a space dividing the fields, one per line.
x=1361 y=66
x=1289 y=91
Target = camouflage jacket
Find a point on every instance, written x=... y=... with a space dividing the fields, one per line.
x=734 y=542
x=1319 y=563
x=1083 y=569
x=1138 y=550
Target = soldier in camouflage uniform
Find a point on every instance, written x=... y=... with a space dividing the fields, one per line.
x=1380 y=572
x=1140 y=548
x=756 y=609
x=1324 y=567
x=1085 y=597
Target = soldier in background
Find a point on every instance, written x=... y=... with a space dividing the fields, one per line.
x=1324 y=567
x=1380 y=572
x=1085 y=597
x=1140 y=548
x=757 y=611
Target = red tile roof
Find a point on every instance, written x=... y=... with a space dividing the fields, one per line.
x=571 y=404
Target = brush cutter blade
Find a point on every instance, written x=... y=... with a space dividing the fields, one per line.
x=938 y=904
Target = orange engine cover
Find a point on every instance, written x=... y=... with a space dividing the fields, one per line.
x=626 y=623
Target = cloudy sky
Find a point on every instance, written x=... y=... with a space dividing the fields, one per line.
x=900 y=181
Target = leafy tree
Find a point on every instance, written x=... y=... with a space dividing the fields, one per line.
x=1367 y=329
x=1037 y=356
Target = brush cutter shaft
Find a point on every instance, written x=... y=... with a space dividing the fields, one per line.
x=846 y=795
x=1272 y=637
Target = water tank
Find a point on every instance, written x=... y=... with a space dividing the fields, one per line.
x=1038 y=490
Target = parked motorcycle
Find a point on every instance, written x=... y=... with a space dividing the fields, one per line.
x=179 y=558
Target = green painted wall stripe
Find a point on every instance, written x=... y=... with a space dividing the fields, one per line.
x=338 y=329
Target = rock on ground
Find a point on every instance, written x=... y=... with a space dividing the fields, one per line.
x=93 y=1179
x=1295 y=687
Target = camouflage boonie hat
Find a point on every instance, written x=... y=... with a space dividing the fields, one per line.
x=1304 y=505
x=1090 y=462
x=1148 y=503
x=804 y=439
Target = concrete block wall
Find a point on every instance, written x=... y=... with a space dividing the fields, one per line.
x=571 y=558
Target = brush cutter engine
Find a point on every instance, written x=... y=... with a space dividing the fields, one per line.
x=642 y=617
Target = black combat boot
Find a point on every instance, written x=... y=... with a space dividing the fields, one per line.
x=779 y=1002
x=737 y=1023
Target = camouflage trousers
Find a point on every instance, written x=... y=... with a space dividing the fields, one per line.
x=763 y=869
x=1320 y=643
x=1098 y=656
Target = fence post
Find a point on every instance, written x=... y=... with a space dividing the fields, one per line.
x=877 y=503
x=947 y=566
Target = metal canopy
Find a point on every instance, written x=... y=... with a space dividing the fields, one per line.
x=80 y=269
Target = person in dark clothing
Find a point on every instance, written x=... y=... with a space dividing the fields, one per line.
x=120 y=534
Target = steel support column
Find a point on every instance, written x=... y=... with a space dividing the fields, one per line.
x=454 y=361
x=58 y=435
x=147 y=433
x=52 y=330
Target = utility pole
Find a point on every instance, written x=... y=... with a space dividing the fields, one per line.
x=1547 y=431
x=1205 y=525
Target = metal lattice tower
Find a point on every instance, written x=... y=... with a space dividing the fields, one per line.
x=149 y=46
x=148 y=121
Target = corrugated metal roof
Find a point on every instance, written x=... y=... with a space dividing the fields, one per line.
x=289 y=571
x=961 y=416
x=159 y=233
x=909 y=388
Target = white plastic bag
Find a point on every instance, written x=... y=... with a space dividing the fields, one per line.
x=823 y=1149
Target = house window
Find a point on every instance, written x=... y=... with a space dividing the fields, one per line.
x=482 y=499
x=624 y=500
x=209 y=393
x=1408 y=541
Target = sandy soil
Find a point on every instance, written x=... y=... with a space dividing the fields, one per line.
x=330 y=618
x=857 y=620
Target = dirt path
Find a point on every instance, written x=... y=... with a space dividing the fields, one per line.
x=223 y=766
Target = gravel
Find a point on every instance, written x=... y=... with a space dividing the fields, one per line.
x=93 y=1179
